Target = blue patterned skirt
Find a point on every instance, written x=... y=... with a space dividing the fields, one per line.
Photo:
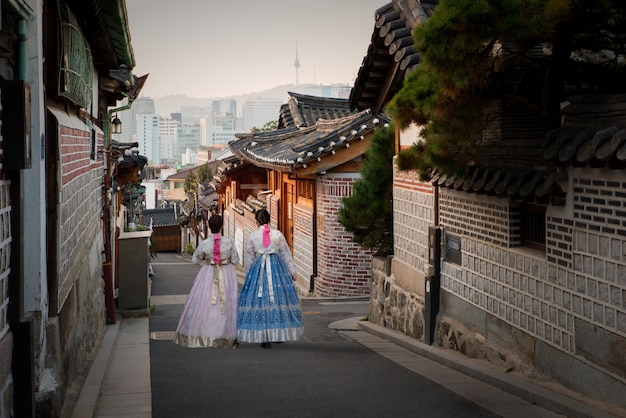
x=269 y=310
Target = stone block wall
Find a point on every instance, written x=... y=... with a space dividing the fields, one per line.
x=242 y=220
x=397 y=290
x=303 y=225
x=393 y=305
x=570 y=300
x=412 y=215
x=344 y=267
x=82 y=312
x=560 y=313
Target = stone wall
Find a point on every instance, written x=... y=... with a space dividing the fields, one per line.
x=412 y=215
x=564 y=306
x=393 y=305
x=81 y=312
x=398 y=283
x=303 y=225
x=559 y=313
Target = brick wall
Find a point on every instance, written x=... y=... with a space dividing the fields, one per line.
x=82 y=313
x=561 y=312
x=477 y=216
x=344 y=267
x=75 y=153
x=572 y=297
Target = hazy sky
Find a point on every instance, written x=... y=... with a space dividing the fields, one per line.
x=217 y=48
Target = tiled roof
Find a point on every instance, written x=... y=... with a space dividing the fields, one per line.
x=391 y=54
x=182 y=174
x=159 y=217
x=127 y=154
x=530 y=185
x=292 y=147
x=208 y=200
x=303 y=110
x=593 y=134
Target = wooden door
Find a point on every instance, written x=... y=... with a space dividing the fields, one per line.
x=288 y=207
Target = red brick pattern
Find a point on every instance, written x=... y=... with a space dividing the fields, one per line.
x=75 y=149
x=344 y=267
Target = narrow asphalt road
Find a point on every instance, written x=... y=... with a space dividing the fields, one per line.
x=326 y=374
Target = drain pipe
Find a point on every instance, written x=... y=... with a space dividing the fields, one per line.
x=314 y=255
x=22 y=327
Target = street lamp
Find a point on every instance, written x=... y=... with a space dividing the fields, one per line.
x=116 y=124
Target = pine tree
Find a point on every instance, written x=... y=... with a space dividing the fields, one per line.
x=191 y=183
x=204 y=173
x=553 y=47
x=367 y=213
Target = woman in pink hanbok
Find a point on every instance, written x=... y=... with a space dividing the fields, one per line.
x=209 y=318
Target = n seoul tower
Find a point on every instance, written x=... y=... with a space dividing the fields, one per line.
x=297 y=63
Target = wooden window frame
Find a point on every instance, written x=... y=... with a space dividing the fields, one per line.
x=533 y=226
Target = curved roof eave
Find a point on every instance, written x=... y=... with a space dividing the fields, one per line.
x=113 y=19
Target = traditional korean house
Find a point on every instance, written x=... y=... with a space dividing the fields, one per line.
x=301 y=173
x=65 y=63
x=521 y=261
x=175 y=183
x=166 y=234
x=126 y=200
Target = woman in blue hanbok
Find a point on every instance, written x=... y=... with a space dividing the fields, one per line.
x=269 y=307
x=209 y=318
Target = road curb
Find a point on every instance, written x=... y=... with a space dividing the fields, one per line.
x=545 y=398
x=87 y=400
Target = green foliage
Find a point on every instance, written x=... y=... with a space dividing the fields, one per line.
x=367 y=213
x=204 y=173
x=272 y=125
x=191 y=183
x=189 y=248
x=475 y=51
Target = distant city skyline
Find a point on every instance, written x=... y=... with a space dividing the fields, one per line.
x=219 y=49
x=172 y=103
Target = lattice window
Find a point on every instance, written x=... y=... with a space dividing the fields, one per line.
x=533 y=226
x=305 y=189
x=278 y=176
x=76 y=72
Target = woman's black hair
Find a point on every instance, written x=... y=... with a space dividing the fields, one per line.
x=215 y=223
x=262 y=216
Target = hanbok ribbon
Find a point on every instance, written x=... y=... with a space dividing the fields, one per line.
x=216 y=248
x=266 y=264
x=218 y=285
x=266 y=236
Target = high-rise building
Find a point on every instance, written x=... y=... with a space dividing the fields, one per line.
x=257 y=113
x=224 y=123
x=167 y=139
x=141 y=106
x=192 y=115
x=148 y=137
x=187 y=138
